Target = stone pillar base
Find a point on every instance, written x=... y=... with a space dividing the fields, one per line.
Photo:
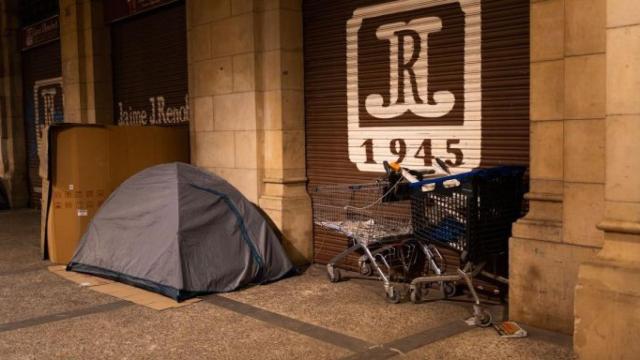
x=543 y=271
x=607 y=306
x=607 y=311
x=289 y=207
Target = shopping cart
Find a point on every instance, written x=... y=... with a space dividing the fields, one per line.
x=472 y=214
x=372 y=224
x=376 y=218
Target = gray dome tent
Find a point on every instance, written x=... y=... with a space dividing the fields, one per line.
x=180 y=231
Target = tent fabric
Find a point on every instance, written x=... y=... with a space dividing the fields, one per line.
x=180 y=231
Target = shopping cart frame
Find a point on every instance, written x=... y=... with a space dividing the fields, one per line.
x=489 y=211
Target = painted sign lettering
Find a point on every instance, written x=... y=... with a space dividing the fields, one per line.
x=40 y=33
x=429 y=103
x=159 y=113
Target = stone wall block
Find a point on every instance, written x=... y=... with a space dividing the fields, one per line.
x=215 y=149
x=623 y=70
x=585 y=27
x=293 y=109
x=68 y=15
x=267 y=30
x=270 y=64
x=623 y=158
x=292 y=71
x=293 y=149
x=245 y=180
x=541 y=210
x=232 y=36
x=283 y=109
x=246 y=151
x=291 y=33
x=274 y=150
x=244 y=74
x=546 y=150
x=584 y=87
x=547 y=30
x=544 y=186
x=584 y=150
x=584 y=208
x=213 y=77
x=205 y=11
x=69 y=49
x=547 y=90
x=623 y=211
x=199 y=43
x=235 y=111
x=622 y=13
x=202 y=113
x=72 y=100
x=272 y=104
x=70 y=70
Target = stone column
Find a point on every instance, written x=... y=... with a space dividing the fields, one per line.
x=245 y=88
x=607 y=297
x=86 y=62
x=13 y=162
x=284 y=196
x=225 y=128
x=567 y=161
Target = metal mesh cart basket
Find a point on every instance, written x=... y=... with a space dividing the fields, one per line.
x=471 y=213
x=375 y=223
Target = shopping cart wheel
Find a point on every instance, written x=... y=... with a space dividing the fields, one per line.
x=484 y=318
x=449 y=289
x=393 y=295
x=333 y=274
x=365 y=269
x=417 y=294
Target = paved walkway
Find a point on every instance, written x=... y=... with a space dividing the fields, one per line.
x=43 y=316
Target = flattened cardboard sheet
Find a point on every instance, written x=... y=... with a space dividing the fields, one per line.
x=120 y=290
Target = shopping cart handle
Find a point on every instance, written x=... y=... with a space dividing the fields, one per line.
x=488 y=172
x=423 y=172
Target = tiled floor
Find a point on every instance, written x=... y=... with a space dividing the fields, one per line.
x=43 y=316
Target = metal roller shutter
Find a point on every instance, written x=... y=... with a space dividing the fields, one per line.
x=409 y=80
x=149 y=53
x=42 y=91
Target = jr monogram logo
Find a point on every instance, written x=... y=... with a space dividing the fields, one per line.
x=414 y=87
x=409 y=72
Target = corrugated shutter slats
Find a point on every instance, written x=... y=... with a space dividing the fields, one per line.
x=480 y=55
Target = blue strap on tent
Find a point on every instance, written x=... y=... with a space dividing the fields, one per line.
x=243 y=229
x=486 y=173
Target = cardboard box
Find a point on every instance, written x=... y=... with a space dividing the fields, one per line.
x=86 y=163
